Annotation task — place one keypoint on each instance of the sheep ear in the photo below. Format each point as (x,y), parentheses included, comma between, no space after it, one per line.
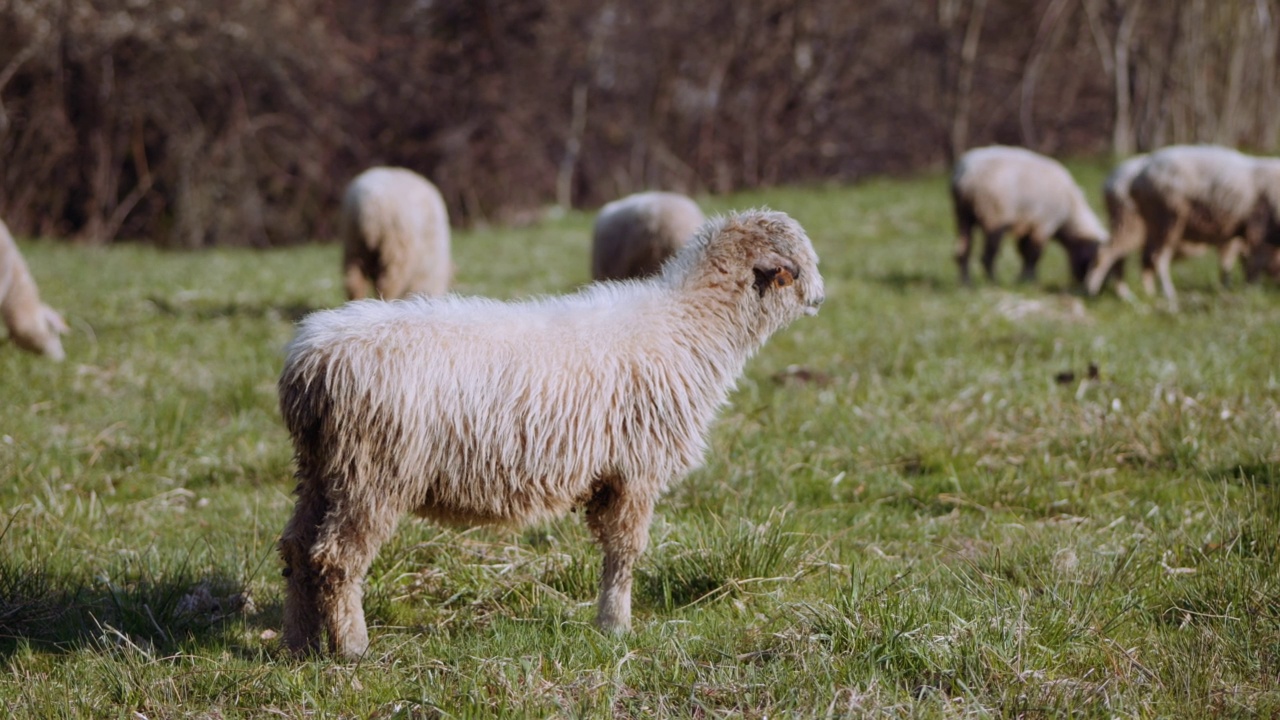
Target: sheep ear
(774,272)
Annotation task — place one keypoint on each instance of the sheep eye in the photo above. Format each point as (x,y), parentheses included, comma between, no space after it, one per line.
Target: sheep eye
(779,277)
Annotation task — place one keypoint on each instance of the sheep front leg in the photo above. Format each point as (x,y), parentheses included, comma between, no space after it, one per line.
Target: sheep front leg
(355,280)
(1108,264)
(619,519)
(1162,243)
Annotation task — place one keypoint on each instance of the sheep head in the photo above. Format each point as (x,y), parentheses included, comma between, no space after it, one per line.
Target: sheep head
(1081,255)
(40,334)
(762,261)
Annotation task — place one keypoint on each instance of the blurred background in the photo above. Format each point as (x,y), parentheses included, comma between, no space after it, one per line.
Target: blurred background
(192,123)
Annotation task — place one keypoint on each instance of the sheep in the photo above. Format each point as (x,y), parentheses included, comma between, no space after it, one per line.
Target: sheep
(33,326)
(1207,194)
(477,412)
(633,236)
(1128,234)
(1003,189)
(395,231)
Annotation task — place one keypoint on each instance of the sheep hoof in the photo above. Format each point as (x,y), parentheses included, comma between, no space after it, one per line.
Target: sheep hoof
(613,626)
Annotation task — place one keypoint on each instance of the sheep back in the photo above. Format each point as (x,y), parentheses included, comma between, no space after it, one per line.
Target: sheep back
(395,231)
(633,236)
(1211,189)
(1016,190)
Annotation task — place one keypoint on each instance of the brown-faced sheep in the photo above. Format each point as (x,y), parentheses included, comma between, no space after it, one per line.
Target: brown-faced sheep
(1006,189)
(1207,194)
(32,325)
(635,235)
(1128,235)
(470,411)
(395,236)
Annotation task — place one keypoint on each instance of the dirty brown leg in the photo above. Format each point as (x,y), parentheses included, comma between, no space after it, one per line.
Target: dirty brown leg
(347,543)
(301,602)
(620,522)
(990,250)
(1030,249)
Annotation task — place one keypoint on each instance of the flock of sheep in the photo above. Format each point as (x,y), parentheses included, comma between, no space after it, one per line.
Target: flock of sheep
(1167,204)
(473,411)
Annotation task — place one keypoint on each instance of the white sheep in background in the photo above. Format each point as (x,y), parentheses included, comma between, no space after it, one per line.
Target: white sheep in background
(1128,235)
(32,325)
(1207,194)
(395,235)
(1006,189)
(633,236)
(471,411)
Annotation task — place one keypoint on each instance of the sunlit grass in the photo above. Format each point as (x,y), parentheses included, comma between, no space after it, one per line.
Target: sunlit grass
(918,503)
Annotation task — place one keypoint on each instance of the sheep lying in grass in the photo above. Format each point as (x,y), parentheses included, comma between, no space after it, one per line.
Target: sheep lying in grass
(395,236)
(1007,189)
(1207,194)
(32,325)
(471,411)
(1128,235)
(635,235)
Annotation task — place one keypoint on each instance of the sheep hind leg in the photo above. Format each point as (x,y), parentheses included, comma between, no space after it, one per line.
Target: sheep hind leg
(1030,249)
(301,604)
(990,250)
(348,542)
(964,245)
(619,520)
(1228,252)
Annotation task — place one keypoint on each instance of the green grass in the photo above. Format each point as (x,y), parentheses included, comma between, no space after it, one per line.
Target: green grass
(904,511)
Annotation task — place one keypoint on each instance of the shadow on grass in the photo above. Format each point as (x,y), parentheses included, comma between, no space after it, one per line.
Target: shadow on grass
(905,281)
(207,310)
(62,613)
(1258,473)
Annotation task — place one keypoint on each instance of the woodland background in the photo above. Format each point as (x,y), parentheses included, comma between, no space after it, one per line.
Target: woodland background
(191,123)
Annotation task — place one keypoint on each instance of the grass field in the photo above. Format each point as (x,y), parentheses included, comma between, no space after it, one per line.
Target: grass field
(918,504)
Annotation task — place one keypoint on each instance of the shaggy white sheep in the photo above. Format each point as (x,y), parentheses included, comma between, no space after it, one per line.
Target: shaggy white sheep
(32,325)
(472,411)
(1207,194)
(635,235)
(1007,189)
(395,235)
(1128,235)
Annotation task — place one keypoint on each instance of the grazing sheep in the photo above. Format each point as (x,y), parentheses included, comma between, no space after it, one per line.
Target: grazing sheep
(1128,235)
(635,235)
(1207,194)
(395,235)
(32,325)
(471,411)
(1007,189)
